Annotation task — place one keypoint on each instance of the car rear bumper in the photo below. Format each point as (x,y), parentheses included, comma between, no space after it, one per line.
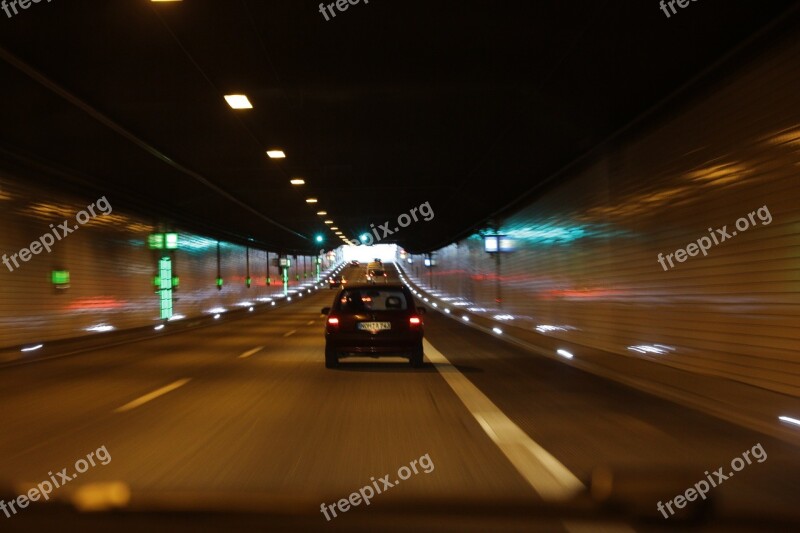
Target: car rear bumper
(374,346)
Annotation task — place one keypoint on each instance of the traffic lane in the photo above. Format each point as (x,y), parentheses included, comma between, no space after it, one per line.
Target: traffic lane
(279,422)
(43,401)
(586,421)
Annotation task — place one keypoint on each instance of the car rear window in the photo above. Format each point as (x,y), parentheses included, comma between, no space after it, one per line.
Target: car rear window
(373,300)
(376,272)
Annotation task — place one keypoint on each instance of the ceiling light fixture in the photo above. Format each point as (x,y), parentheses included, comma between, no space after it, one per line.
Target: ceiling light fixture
(311,200)
(276,154)
(297,181)
(238,101)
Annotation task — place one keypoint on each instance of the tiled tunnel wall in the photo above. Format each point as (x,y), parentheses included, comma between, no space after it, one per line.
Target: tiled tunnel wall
(586,264)
(112,270)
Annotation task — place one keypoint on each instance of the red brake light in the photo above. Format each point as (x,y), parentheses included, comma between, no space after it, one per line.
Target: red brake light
(414,321)
(333,321)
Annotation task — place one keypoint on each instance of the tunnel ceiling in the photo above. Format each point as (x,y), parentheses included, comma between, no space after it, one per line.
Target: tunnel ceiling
(465,105)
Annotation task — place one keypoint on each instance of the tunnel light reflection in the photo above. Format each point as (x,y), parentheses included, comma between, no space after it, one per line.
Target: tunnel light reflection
(176,317)
(435,304)
(273,303)
(655,348)
(545,328)
(100,328)
(564,353)
(447,311)
(790,420)
(465,318)
(251,309)
(216,317)
(503,317)
(498,331)
(159,327)
(216,310)
(31,348)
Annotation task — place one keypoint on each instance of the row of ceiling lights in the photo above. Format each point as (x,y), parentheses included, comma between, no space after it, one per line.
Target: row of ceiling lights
(240,101)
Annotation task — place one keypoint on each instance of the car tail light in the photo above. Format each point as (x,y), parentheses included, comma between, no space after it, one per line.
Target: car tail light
(333,323)
(414,321)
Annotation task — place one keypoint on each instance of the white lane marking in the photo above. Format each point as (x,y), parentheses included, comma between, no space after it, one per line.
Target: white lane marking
(309,322)
(152,396)
(248,353)
(551,479)
(290,333)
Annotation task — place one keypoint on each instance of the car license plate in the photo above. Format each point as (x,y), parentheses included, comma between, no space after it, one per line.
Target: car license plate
(374,326)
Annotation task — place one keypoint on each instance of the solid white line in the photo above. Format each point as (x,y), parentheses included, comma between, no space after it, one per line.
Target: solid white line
(309,322)
(551,479)
(248,353)
(152,396)
(290,333)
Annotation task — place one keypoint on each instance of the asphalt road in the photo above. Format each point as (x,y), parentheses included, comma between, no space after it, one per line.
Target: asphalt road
(247,406)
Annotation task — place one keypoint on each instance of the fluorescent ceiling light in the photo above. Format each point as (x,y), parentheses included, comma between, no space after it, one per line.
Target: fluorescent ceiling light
(322,213)
(238,101)
(329,221)
(298,181)
(334,228)
(276,154)
(311,200)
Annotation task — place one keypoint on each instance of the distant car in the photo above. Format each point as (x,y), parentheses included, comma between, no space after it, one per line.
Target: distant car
(378,260)
(373,265)
(354,263)
(377,276)
(373,321)
(336,281)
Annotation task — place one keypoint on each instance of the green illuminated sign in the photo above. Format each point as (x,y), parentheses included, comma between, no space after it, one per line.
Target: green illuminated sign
(165,284)
(60,277)
(161,241)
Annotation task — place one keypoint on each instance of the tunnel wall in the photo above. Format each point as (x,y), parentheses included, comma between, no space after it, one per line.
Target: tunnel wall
(112,270)
(586,259)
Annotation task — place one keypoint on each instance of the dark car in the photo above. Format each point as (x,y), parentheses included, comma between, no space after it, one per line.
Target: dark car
(336,281)
(373,321)
(376,275)
(354,263)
